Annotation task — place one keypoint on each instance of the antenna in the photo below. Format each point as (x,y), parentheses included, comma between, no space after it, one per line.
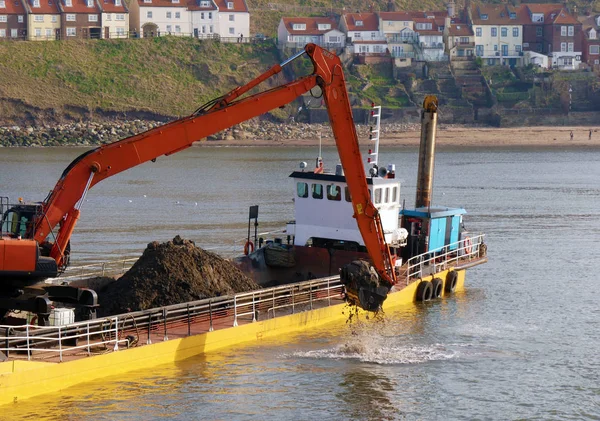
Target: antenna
(374,134)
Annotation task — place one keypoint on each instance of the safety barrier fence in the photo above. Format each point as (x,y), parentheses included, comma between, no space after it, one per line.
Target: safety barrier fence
(125,330)
(463,251)
(110,268)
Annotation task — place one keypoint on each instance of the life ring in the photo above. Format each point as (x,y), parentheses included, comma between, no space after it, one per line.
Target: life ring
(451,280)
(436,288)
(467,245)
(424,291)
(33,320)
(248,247)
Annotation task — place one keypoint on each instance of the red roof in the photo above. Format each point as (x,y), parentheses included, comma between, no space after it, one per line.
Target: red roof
(460,29)
(80,6)
(370,21)
(238,5)
(395,16)
(499,15)
(12,7)
(194,5)
(312,25)
(47,7)
(369,42)
(109,6)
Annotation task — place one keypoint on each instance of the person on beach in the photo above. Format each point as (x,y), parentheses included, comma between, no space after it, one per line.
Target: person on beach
(571,134)
(590,138)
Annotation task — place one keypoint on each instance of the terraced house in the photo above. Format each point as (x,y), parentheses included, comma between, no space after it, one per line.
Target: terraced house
(43,20)
(363,32)
(591,41)
(115,19)
(80,19)
(151,18)
(297,32)
(498,33)
(12,20)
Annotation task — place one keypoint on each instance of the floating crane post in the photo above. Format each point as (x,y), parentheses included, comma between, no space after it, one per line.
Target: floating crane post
(427,152)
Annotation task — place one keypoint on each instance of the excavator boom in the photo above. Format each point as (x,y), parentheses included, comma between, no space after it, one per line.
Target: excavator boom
(63,204)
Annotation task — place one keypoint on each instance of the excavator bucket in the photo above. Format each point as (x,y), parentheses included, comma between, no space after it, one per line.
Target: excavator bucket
(363,285)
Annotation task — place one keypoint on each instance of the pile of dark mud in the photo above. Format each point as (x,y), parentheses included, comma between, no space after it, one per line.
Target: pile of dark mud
(171,273)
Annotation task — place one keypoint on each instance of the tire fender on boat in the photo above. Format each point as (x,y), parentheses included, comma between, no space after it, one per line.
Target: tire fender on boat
(451,280)
(436,288)
(424,291)
(248,247)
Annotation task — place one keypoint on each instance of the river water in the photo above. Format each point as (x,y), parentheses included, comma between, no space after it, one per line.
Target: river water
(521,342)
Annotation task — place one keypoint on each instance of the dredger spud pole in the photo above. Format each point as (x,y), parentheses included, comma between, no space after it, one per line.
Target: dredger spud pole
(426,152)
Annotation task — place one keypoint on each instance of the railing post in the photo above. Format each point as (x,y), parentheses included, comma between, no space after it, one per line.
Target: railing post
(28,350)
(210,326)
(253,308)
(189,321)
(310,294)
(273,291)
(116,348)
(165,338)
(88,339)
(328,294)
(59,345)
(235,323)
(149,341)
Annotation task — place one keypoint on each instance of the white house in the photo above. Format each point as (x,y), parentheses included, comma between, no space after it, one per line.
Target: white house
(431,37)
(362,30)
(205,18)
(160,17)
(297,32)
(233,18)
(115,19)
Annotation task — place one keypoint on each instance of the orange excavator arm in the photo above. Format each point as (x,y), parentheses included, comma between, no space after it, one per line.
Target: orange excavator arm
(63,204)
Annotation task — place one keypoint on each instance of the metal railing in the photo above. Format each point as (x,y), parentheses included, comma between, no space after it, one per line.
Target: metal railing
(110,333)
(453,254)
(110,268)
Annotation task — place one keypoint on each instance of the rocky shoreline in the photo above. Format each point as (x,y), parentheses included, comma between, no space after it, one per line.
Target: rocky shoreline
(93,134)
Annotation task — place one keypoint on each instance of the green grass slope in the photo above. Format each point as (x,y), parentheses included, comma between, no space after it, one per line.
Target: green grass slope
(167,76)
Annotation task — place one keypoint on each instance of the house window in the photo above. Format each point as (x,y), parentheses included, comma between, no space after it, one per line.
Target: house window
(359,23)
(202,15)
(120,17)
(169,15)
(92,18)
(149,14)
(120,31)
(517,48)
(424,26)
(478,32)
(38,32)
(169,29)
(2,33)
(563,31)
(563,47)
(14,33)
(596,61)
(117,2)
(539,31)
(68,3)
(231,18)
(334,39)
(405,24)
(177,29)
(230,5)
(357,35)
(20,18)
(373,35)
(494,32)
(2,18)
(464,40)
(2,4)
(108,16)
(177,15)
(323,26)
(231,31)
(297,26)
(48,33)
(70,32)
(484,16)
(317,191)
(54,18)
(504,32)
(36,3)
(537,17)
(594,49)
(204,4)
(71,17)
(38,18)
(570,47)
(90,3)
(571,31)
(515,32)
(147,1)
(203,29)
(210,15)
(210,29)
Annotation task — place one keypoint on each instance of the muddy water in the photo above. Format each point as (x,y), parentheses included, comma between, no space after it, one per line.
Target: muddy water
(520,343)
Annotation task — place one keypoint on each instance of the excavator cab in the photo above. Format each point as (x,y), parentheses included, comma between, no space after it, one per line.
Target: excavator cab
(18,220)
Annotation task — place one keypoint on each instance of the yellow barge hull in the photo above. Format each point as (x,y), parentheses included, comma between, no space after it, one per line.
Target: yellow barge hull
(22,379)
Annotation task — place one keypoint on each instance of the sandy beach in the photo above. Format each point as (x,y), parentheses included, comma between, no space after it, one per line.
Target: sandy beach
(458,137)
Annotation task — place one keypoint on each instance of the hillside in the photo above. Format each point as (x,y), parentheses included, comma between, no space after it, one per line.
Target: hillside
(53,82)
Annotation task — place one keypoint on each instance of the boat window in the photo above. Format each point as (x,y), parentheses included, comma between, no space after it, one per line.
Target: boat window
(377,196)
(334,192)
(347,194)
(394,194)
(387,195)
(317,191)
(302,189)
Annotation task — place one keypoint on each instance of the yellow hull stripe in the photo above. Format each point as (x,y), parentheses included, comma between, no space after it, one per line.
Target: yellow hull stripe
(21,380)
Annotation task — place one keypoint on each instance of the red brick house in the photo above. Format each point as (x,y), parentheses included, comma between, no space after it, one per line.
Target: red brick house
(80,19)
(13,24)
(552,30)
(590,39)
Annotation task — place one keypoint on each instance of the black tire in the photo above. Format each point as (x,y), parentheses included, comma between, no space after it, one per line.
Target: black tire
(424,291)
(436,288)
(451,280)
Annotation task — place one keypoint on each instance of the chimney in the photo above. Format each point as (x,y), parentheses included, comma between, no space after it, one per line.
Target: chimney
(451,7)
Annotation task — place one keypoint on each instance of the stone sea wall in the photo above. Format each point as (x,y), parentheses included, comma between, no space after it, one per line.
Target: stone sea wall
(91,134)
